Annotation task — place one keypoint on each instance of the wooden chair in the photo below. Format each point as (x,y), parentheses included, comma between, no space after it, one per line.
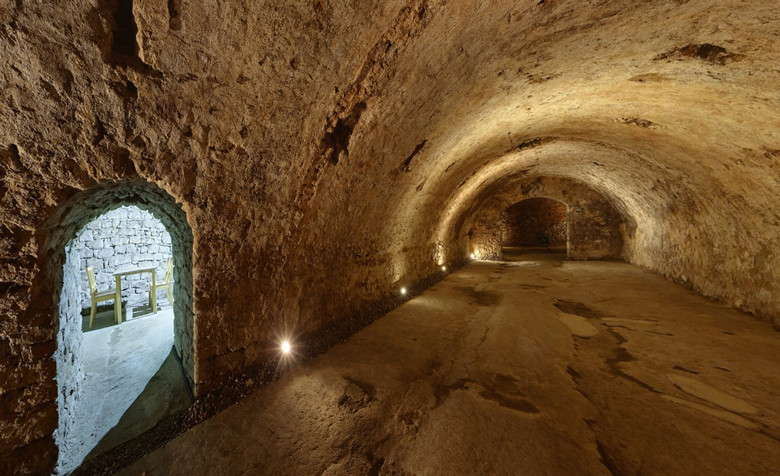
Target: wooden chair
(99,296)
(167,284)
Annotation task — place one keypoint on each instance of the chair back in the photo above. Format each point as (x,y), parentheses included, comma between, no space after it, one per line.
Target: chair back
(91,279)
(169,270)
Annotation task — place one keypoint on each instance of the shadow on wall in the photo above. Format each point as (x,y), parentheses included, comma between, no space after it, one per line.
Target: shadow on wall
(535,222)
(62,269)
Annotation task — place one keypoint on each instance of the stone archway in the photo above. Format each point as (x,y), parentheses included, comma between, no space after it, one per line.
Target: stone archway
(595,228)
(61,230)
(536,223)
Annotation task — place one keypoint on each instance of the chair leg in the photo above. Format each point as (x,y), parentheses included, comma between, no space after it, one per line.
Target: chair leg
(92,314)
(153,293)
(169,292)
(118,301)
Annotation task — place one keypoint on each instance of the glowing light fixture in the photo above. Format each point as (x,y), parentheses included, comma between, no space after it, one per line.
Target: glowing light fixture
(473,256)
(286,347)
(403,291)
(444,268)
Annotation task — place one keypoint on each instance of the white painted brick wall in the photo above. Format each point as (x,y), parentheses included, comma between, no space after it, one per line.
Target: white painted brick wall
(125,237)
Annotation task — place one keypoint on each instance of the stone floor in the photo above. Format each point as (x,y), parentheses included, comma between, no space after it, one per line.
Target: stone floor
(132,378)
(536,366)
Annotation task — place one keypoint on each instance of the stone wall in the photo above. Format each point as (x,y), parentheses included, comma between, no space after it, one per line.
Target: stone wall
(534,222)
(125,237)
(70,366)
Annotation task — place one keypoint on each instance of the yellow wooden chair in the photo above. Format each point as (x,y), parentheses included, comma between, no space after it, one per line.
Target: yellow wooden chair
(167,284)
(99,296)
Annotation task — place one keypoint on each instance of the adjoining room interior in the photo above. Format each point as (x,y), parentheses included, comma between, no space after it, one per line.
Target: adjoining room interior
(128,375)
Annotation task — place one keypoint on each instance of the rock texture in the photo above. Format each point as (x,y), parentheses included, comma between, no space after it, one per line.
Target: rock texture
(320,153)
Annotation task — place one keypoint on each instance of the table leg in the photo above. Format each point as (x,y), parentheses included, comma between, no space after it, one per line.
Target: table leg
(118,300)
(153,290)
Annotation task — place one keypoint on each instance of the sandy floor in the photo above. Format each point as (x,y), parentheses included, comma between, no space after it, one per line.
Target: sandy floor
(535,366)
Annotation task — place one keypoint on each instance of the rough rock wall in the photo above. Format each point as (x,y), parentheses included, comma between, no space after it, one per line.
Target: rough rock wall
(325,152)
(534,222)
(232,124)
(595,228)
(125,237)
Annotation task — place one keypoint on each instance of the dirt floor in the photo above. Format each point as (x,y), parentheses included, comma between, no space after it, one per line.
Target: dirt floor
(531,366)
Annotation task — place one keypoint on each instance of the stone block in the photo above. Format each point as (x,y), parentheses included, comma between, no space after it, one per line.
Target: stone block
(96,263)
(104,253)
(117,261)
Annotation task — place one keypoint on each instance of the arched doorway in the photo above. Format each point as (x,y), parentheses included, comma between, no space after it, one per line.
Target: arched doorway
(64,266)
(535,225)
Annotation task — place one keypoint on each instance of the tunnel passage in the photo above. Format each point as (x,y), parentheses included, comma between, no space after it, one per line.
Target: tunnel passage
(594,228)
(63,271)
(535,222)
(668,108)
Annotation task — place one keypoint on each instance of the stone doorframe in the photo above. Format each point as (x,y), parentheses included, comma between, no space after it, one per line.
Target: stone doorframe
(62,276)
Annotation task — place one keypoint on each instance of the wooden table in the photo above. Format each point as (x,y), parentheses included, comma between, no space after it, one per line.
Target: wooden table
(152,290)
